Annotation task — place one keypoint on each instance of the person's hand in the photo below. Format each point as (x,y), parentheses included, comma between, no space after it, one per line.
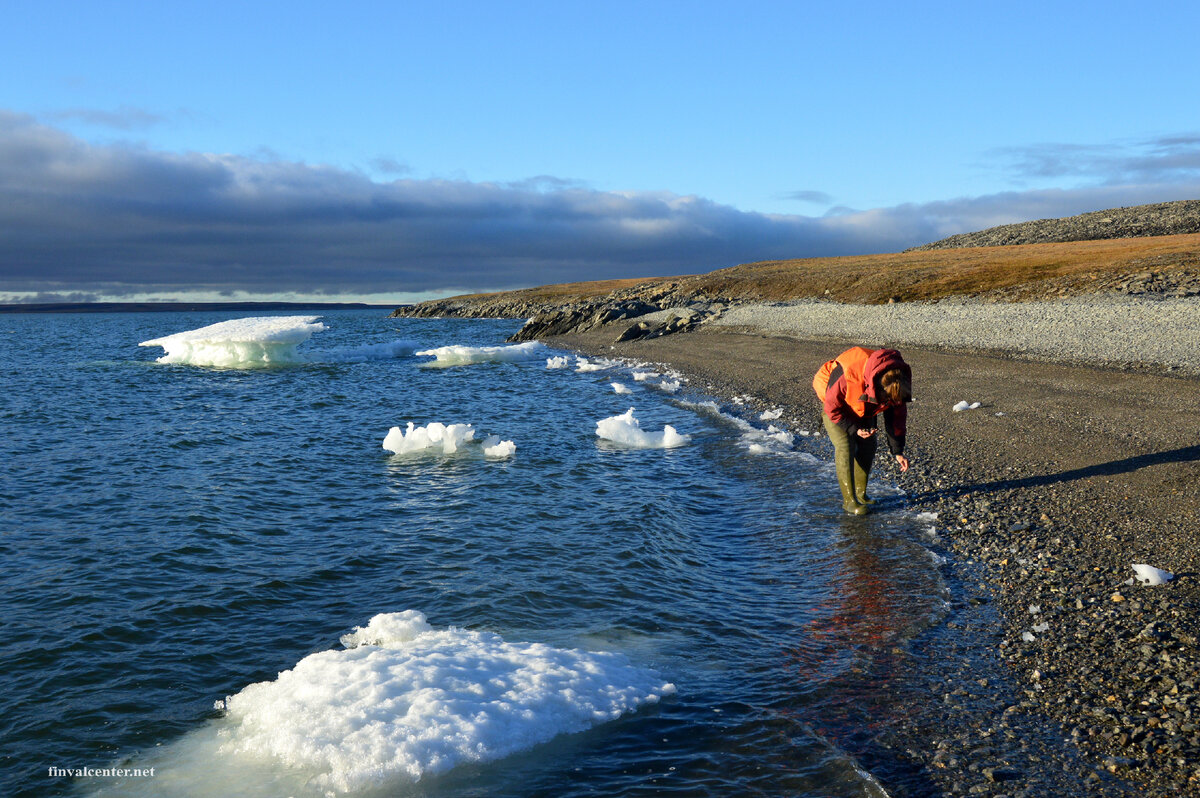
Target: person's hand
(903,462)
(866,433)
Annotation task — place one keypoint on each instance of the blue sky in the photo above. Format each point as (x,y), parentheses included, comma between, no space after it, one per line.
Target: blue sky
(396,150)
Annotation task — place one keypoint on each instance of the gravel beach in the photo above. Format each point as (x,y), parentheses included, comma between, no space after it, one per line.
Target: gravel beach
(1054,673)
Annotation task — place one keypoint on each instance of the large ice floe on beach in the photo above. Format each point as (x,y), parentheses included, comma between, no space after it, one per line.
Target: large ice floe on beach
(458,355)
(627,431)
(264,341)
(402,700)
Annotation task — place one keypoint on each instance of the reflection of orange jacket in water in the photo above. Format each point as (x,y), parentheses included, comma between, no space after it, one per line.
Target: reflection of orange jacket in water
(848,386)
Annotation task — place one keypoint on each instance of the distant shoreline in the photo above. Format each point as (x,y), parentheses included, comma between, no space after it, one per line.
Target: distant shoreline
(142,307)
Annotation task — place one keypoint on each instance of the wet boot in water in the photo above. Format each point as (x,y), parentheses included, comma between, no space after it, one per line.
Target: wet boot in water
(850,502)
(860,484)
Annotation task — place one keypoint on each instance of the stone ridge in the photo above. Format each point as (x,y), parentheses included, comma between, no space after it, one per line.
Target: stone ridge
(1159,219)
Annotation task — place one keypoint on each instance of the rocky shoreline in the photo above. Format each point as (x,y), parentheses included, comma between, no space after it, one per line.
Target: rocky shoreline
(1052,674)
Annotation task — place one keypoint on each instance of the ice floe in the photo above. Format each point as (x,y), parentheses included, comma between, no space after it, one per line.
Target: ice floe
(401,701)
(264,341)
(557,362)
(619,387)
(494,447)
(435,437)
(240,343)
(458,355)
(627,431)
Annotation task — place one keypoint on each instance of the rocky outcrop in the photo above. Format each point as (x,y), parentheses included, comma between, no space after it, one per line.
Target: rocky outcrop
(1160,219)
(661,307)
(652,321)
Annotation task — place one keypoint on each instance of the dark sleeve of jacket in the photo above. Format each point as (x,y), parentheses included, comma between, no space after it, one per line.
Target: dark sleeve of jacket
(895,425)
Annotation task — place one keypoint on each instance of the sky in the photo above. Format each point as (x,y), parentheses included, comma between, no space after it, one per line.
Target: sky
(392,151)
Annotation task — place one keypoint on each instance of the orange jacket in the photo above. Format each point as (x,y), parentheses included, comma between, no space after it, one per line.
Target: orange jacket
(848,386)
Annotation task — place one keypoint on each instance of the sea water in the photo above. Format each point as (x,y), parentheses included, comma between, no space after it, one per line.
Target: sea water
(356,555)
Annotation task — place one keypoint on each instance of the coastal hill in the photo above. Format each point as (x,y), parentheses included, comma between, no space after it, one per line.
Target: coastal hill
(1146,264)
(1160,219)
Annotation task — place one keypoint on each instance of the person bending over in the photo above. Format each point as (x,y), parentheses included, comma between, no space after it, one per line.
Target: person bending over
(856,387)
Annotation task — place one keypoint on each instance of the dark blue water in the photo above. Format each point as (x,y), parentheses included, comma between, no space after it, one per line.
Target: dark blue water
(172,534)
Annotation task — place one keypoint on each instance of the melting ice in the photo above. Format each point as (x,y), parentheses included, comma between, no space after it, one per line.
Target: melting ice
(627,431)
(458,355)
(238,343)
(402,700)
(264,341)
(436,436)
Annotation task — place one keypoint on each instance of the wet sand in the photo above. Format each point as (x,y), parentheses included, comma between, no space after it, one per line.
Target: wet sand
(1046,494)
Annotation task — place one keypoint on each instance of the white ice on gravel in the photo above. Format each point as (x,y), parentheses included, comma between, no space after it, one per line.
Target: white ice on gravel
(627,431)
(770,415)
(459,355)
(619,387)
(964,405)
(1149,575)
(434,437)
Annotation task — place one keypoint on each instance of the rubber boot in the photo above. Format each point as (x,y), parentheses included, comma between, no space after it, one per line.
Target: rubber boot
(845,476)
(860,484)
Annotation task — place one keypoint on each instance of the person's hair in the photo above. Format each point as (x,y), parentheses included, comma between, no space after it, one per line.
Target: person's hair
(896,385)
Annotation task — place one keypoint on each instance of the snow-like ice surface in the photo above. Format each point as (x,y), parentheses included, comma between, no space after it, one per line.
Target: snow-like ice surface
(557,362)
(627,431)
(240,343)
(436,437)
(642,376)
(1149,575)
(620,387)
(458,355)
(964,405)
(770,415)
(265,341)
(404,700)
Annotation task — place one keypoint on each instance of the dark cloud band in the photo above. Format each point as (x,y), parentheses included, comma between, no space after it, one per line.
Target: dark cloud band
(123,219)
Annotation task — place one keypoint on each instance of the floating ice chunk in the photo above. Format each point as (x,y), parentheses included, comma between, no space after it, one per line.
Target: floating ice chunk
(457,355)
(559,362)
(1149,575)
(583,365)
(353,354)
(433,437)
(240,343)
(405,700)
(757,448)
(642,376)
(625,430)
(770,415)
(494,447)
(670,386)
(620,387)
